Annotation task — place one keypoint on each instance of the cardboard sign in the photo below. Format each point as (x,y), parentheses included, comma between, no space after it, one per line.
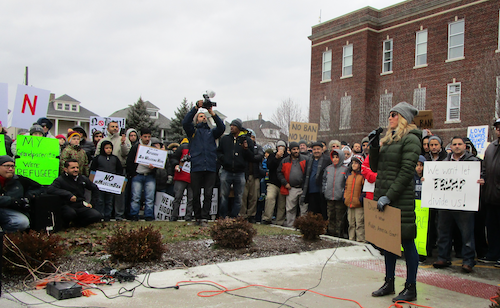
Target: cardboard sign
(150,155)
(3,151)
(451,185)
(303,131)
(4,103)
(383,228)
(30,105)
(479,137)
(109,182)
(37,158)
(101,124)
(164,205)
(424,119)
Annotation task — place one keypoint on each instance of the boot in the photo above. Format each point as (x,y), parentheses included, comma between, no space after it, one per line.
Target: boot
(386,289)
(409,293)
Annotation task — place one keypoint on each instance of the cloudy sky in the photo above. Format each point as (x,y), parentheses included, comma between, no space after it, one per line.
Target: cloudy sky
(107,54)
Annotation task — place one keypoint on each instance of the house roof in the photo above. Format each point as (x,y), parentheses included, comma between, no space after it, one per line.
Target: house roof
(162,121)
(258,125)
(66,98)
(83,114)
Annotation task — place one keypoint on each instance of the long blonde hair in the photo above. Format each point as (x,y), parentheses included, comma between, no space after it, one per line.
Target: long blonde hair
(402,130)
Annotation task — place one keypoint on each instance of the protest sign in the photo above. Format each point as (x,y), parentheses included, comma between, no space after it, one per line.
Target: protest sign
(109,182)
(303,131)
(37,158)
(451,185)
(422,222)
(4,103)
(3,150)
(101,124)
(424,119)
(30,105)
(383,228)
(164,205)
(150,155)
(479,137)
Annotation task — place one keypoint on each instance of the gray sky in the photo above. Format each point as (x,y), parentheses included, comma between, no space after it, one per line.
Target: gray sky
(107,54)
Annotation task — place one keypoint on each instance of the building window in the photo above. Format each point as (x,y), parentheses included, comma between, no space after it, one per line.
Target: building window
(421,48)
(324,120)
(347,61)
(66,107)
(153,114)
(327,65)
(384,108)
(497,100)
(387,60)
(74,108)
(345,112)
(59,106)
(456,39)
(453,102)
(419,98)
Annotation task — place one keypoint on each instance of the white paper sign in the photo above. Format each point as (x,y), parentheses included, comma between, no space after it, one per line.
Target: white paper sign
(30,105)
(150,155)
(4,102)
(479,137)
(101,124)
(186,167)
(451,185)
(164,205)
(109,182)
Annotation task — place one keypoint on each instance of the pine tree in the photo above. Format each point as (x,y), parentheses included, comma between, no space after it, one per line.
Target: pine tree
(139,118)
(176,133)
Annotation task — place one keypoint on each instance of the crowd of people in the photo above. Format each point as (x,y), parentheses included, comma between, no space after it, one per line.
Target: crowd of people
(271,187)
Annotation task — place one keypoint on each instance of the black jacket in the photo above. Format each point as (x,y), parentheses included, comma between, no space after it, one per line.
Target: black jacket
(106,163)
(255,166)
(442,156)
(16,188)
(131,165)
(231,154)
(323,162)
(272,164)
(66,187)
(490,172)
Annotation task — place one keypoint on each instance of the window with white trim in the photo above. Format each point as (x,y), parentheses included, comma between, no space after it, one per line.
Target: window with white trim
(153,114)
(345,112)
(453,102)
(384,108)
(456,32)
(421,48)
(497,99)
(419,98)
(347,58)
(74,107)
(59,106)
(327,66)
(67,107)
(324,118)
(387,56)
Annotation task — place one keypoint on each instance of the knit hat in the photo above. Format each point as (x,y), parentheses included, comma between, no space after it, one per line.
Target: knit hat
(36,128)
(80,129)
(61,136)
(421,159)
(155,140)
(435,137)
(317,144)
(72,133)
(44,122)
(185,140)
(359,158)
(238,123)
(406,110)
(281,143)
(302,141)
(294,144)
(5,159)
(270,151)
(366,139)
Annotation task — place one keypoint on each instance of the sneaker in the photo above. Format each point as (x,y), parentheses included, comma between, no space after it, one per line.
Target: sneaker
(466,268)
(486,261)
(441,264)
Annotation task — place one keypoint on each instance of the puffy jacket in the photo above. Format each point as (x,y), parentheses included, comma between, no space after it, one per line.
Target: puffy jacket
(182,151)
(202,142)
(231,154)
(395,166)
(368,174)
(323,162)
(490,172)
(255,166)
(106,163)
(353,190)
(18,187)
(334,178)
(285,168)
(75,152)
(119,149)
(66,187)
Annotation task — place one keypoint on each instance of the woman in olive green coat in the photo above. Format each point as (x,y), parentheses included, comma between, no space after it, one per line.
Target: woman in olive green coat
(394,160)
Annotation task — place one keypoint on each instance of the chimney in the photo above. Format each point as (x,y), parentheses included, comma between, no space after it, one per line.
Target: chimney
(52,97)
(260,116)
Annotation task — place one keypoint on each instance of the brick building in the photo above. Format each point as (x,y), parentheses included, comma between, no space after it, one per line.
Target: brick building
(440,55)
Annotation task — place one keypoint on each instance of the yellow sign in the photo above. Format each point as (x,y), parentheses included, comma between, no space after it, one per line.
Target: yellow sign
(2,145)
(303,131)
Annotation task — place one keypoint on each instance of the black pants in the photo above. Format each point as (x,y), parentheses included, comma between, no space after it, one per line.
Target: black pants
(80,215)
(205,179)
(317,204)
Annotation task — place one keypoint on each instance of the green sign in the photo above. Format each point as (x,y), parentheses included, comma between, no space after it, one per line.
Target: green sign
(422,222)
(2,145)
(37,158)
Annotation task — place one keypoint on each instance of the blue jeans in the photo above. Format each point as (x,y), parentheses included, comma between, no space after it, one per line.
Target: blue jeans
(238,181)
(12,220)
(148,184)
(411,257)
(465,223)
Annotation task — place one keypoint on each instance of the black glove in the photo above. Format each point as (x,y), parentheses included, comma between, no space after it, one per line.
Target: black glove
(21,204)
(382,202)
(374,137)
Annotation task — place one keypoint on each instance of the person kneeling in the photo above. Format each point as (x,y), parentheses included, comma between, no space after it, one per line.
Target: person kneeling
(70,186)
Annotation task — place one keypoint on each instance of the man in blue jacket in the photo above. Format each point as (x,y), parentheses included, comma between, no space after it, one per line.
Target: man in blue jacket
(203,149)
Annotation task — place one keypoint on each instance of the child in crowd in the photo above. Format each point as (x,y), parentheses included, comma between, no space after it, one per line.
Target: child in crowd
(419,173)
(353,199)
(74,151)
(334,179)
(109,163)
(265,179)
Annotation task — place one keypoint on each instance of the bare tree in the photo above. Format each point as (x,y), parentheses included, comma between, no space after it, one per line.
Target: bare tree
(287,112)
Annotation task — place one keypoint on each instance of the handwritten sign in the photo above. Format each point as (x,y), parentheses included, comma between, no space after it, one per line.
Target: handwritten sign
(451,185)
(30,105)
(109,182)
(101,124)
(303,131)
(37,158)
(164,205)
(422,222)
(479,137)
(4,103)
(3,151)
(150,155)
(383,228)
(424,119)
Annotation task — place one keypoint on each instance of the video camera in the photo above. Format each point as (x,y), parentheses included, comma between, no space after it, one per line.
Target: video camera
(207,103)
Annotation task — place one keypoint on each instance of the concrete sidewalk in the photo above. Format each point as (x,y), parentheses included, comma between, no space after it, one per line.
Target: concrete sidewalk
(351,273)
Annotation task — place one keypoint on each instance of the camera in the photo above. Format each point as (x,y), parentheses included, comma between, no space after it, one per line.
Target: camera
(207,103)
(186,158)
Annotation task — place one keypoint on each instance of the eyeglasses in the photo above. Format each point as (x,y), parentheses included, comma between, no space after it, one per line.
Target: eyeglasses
(393,114)
(9,166)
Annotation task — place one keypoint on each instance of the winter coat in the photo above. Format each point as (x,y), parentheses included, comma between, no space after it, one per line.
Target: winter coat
(368,174)
(202,142)
(354,190)
(106,163)
(231,154)
(441,156)
(181,152)
(490,172)
(120,150)
(334,178)
(127,135)
(323,162)
(66,187)
(132,165)
(75,152)
(89,148)
(395,166)
(8,142)
(255,166)
(18,187)
(285,168)
(273,164)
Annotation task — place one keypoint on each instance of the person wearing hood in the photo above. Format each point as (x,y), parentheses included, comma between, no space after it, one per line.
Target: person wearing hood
(347,155)
(132,136)
(394,158)
(87,146)
(96,137)
(74,151)
(334,179)
(46,125)
(180,159)
(7,140)
(253,174)
(273,187)
(109,163)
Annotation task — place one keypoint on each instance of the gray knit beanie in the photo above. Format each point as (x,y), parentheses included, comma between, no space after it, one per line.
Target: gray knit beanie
(406,110)
(435,137)
(294,144)
(5,159)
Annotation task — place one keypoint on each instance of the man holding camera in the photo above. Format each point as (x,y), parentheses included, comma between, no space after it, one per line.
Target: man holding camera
(202,148)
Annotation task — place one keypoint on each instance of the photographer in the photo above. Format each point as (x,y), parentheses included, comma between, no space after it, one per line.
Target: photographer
(234,152)
(202,148)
